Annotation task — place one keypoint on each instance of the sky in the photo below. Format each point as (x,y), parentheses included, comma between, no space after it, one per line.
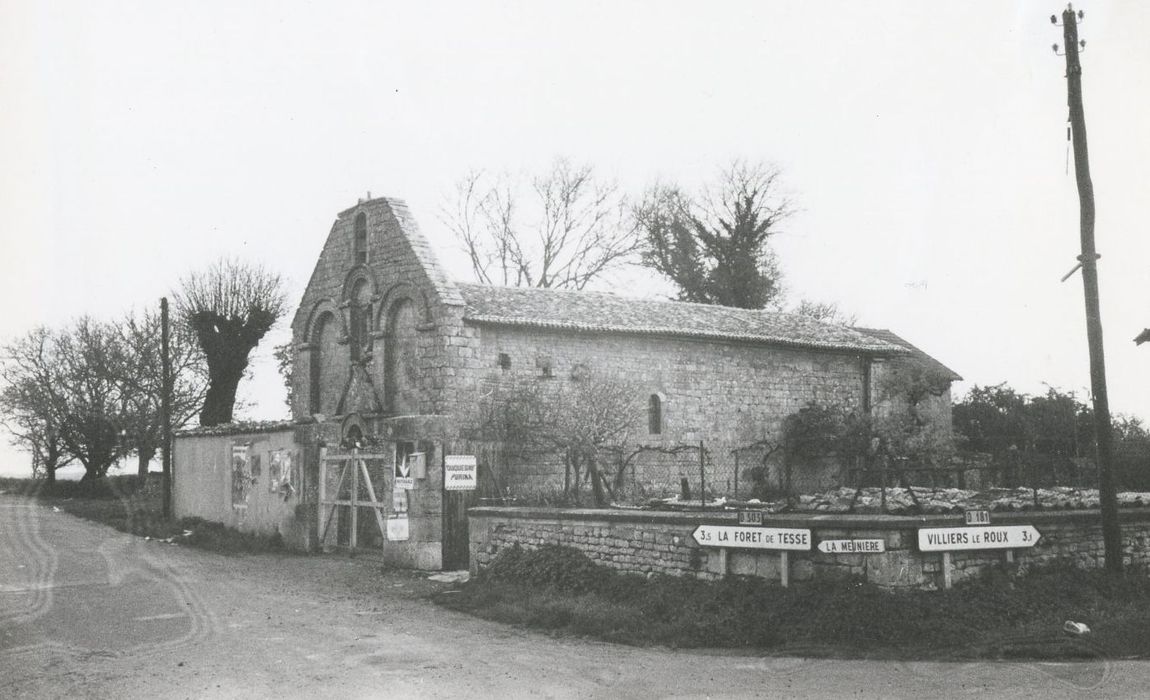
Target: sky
(924,144)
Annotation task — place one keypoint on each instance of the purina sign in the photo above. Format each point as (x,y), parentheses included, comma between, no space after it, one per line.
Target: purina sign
(460,473)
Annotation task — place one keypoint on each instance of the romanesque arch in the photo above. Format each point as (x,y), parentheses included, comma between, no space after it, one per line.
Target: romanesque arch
(401,365)
(325,380)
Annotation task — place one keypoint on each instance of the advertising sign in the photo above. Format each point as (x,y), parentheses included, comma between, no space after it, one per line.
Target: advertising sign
(460,473)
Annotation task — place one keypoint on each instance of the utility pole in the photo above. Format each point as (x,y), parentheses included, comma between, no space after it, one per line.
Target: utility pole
(1111,532)
(166,404)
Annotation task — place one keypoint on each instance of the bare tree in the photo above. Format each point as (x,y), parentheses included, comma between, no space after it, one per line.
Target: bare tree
(141,377)
(561,229)
(88,398)
(229,307)
(28,401)
(715,246)
(825,311)
(585,422)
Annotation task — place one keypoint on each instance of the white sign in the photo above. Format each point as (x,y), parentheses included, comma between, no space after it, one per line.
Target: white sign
(403,476)
(852,546)
(460,473)
(753,537)
(397,528)
(978,517)
(949,539)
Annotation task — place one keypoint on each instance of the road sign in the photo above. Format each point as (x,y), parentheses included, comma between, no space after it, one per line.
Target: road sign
(978,517)
(460,473)
(875,546)
(949,539)
(750,517)
(784,538)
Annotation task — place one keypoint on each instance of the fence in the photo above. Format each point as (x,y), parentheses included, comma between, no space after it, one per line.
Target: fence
(692,475)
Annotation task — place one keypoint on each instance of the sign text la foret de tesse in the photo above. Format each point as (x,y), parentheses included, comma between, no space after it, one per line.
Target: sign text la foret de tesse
(949,539)
(784,538)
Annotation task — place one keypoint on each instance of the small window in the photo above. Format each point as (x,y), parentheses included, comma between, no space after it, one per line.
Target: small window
(361,238)
(655,415)
(543,362)
(504,361)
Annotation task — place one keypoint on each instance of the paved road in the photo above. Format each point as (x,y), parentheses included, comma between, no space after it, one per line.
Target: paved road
(88,612)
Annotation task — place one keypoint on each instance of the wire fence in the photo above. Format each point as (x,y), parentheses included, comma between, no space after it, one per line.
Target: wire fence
(698,474)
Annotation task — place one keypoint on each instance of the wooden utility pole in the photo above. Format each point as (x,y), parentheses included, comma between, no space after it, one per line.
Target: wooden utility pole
(1111,533)
(166,404)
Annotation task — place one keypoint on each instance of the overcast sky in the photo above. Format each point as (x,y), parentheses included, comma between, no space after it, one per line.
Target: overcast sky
(924,142)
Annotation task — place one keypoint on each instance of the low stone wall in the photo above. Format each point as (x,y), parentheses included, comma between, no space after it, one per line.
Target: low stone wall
(646,542)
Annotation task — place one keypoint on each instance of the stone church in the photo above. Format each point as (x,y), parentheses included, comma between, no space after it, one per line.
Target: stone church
(381,333)
(390,354)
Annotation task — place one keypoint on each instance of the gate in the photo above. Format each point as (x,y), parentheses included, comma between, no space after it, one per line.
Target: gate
(352,468)
(456,539)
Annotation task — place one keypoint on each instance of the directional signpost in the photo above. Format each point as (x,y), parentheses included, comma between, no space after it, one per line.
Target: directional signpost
(790,538)
(875,546)
(950,539)
(953,539)
(780,539)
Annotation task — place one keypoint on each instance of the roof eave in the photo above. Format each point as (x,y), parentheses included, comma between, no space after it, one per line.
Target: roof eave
(889,351)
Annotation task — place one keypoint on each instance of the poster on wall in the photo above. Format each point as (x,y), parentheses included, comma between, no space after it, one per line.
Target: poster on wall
(241,475)
(279,471)
(397,528)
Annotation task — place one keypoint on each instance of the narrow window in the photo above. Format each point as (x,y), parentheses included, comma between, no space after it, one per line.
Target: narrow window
(655,415)
(504,361)
(361,238)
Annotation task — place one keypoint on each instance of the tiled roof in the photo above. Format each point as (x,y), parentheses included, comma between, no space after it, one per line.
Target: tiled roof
(608,313)
(891,337)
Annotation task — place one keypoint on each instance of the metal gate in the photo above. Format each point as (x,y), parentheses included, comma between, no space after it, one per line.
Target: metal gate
(353,468)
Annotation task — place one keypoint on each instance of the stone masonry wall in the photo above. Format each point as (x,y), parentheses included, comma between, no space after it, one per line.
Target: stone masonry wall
(648,542)
(725,394)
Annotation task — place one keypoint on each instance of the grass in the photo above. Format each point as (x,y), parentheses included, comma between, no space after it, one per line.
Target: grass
(560,590)
(129,505)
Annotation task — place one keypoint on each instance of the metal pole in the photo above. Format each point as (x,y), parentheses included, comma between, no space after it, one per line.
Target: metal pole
(702,476)
(1111,532)
(166,405)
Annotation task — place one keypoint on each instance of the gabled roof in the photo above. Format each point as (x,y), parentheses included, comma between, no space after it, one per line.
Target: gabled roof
(607,313)
(930,362)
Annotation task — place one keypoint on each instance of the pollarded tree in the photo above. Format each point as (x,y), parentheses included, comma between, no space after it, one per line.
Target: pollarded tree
(229,308)
(141,377)
(561,229)
(715,247)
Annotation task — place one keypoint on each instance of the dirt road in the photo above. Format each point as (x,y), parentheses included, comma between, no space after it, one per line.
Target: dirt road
(86,611)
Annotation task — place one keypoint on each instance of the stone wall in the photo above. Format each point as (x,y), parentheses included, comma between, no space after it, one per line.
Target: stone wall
(726,394)
(649,542)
